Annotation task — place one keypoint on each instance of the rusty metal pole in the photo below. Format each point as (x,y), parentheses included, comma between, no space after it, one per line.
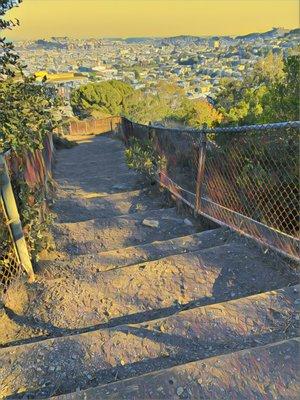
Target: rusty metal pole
(200,173)
(13,219)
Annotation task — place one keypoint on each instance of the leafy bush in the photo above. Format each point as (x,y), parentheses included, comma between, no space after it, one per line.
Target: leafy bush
(106,98)
(167,102)
(270,93)
(142,157)
(26,118)
(27,115)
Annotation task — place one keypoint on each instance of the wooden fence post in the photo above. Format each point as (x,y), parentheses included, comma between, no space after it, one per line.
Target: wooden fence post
(14,223)
(200,173)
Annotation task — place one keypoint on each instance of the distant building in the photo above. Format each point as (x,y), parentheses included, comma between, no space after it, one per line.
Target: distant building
(217,44)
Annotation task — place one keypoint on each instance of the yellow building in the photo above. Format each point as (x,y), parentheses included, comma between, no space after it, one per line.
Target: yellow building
(40,75)
(216,44)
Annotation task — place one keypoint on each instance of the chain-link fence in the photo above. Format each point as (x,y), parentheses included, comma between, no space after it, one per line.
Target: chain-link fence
(35,167)
(244,177)
(10,266)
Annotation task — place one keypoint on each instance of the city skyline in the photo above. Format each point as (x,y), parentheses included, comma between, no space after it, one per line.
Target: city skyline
(147,18)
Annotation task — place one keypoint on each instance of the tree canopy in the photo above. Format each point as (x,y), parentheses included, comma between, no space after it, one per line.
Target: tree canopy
(269,94)
(166,102)
(106,98)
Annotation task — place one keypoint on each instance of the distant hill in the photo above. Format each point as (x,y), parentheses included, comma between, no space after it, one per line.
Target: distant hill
(187,39)
(181,40)
(137,40)
(50,44)
(293,32)
(275,32)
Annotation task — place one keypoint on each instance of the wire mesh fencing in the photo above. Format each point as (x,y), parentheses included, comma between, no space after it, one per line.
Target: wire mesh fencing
(34,169)
(10,266)
(251,183)
(246,178)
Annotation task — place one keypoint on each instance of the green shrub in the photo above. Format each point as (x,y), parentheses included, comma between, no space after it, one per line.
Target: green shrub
(142,157)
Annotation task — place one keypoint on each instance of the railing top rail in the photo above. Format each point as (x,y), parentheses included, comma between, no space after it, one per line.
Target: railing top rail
(243,128)
(262,127)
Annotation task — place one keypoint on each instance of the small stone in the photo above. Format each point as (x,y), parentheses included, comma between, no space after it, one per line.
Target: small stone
(58,368)
(52,368)
(152,223)
(232,294)
(179,391)
(188,222)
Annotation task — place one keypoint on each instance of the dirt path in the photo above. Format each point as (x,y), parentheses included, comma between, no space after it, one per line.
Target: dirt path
(118,299)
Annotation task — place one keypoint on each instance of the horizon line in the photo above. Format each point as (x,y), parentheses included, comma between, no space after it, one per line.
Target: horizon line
(150,37)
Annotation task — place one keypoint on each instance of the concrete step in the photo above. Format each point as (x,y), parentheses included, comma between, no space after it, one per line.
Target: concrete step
(61,365)
(99,168)
(120,258)
(265,372)
(102,184)
(96,235)
(95,166)
(142,292)
(76,208)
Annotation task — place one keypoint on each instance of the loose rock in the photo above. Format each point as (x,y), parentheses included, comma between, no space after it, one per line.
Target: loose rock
(152,223)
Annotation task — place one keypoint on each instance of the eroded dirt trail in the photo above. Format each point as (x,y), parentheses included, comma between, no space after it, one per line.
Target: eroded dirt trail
(122,310)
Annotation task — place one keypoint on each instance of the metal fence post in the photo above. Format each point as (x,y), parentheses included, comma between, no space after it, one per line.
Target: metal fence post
(200,172)
(13,217)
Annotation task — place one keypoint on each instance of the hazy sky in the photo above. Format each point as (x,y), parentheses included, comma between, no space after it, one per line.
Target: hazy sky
(123,18)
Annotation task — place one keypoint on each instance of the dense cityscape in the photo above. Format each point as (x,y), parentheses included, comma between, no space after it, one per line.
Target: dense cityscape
(193,63)
(149,199)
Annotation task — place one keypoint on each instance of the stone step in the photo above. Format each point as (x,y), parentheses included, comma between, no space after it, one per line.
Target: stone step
(91,157)
(99,169)
(61,365)
(96,235)
(265,372)
(85,298)
(87,153)
(76,208)
(102,183)
(120,258)
(96,166)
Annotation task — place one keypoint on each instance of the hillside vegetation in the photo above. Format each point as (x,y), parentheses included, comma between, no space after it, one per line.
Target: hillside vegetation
(270,93)
(164,103)
(27,115)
